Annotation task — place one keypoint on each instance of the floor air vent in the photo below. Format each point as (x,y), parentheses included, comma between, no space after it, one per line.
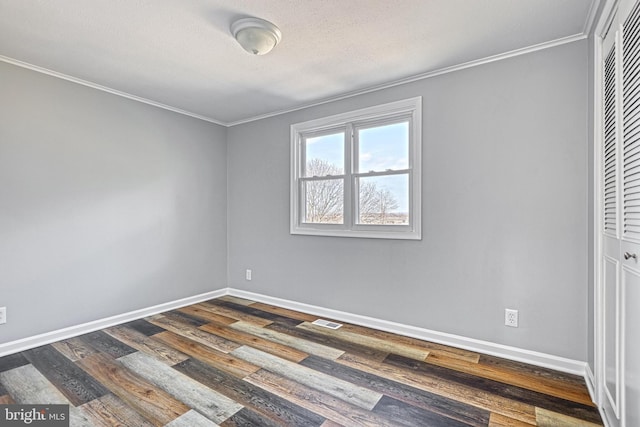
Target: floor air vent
(327,324)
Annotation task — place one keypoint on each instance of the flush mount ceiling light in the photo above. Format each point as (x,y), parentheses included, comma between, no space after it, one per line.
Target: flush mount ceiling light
(256,36)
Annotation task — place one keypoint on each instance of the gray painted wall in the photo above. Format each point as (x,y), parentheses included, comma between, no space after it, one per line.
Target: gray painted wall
(505,154)
(106,205)
(125,206)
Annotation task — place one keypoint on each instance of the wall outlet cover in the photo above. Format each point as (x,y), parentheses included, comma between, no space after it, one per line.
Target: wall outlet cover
(511,317)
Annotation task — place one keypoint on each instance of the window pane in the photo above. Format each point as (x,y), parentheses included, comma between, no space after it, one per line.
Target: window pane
(324,201)
(384,200)
(383,147)
(324,155)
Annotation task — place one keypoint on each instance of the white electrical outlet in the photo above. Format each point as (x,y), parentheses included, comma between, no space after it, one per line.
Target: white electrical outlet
(511,317)
(3,315)
(248,275)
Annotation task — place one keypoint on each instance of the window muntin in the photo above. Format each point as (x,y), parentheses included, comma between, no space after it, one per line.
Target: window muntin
(358,174)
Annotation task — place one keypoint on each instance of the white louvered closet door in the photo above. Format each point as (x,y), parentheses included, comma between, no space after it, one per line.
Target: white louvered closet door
(610,370)
(618,379)
(630,284)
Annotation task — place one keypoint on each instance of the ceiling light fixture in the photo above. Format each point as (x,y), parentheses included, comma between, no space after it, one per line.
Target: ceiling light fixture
(256,36)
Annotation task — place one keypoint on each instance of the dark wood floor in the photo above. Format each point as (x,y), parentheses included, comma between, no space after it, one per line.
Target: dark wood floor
(234,362)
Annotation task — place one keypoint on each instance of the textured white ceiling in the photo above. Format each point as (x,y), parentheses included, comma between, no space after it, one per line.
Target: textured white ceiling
(180,53)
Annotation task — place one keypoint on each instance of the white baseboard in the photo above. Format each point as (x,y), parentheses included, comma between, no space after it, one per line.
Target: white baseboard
(73,331)
(557,363)
(512,353)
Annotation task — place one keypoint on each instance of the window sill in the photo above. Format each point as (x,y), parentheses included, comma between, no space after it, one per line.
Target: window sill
(363,234)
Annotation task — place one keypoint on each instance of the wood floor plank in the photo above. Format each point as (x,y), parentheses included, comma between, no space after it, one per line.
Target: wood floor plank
(154,404)
(243,338)
(12,361)
(236,300)
(26,385)
(356,395)
(185,318)
(251,311)
(142,342)
(224,361)
(519,379)
(270,406)
(406,350)
(306,346)
(192,419)
(467,414)
(213,405)
(74,349)
(432,348)
(110,411)
(106,344)
(469,395)
(233,314)
(72,381)
(143,327)
(246,418)
(335,343)
(407,415)
(303,317)
(547,418)
(207,315)
(497,420)
(316,401)
(194,333)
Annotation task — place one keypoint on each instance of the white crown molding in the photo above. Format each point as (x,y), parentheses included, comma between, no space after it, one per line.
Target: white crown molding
(417,77)
(106,89)
(422,76)
(557,363)
(73,331)
(591,17)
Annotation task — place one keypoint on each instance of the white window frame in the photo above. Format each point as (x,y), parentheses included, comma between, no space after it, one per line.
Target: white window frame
(349,122)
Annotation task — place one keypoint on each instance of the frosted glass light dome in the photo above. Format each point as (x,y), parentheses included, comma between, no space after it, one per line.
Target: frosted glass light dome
(256,36)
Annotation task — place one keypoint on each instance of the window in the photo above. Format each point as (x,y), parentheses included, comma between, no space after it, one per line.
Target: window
(358,174)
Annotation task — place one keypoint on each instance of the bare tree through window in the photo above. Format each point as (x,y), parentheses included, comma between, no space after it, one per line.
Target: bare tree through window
(377,204)
(325,198)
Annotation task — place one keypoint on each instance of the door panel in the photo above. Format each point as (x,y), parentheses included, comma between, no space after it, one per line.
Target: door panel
(609,366)
(631,338)
(611,355)
(630,245)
